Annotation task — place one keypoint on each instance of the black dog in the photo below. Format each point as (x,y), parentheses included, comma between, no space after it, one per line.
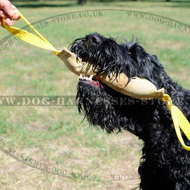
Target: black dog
(165,165)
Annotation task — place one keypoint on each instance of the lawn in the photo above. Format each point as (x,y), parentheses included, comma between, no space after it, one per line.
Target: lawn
(55,135)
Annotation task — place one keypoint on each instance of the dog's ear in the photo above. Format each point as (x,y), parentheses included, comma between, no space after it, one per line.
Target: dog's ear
(136,52)
(141,57)
(144,65)
(155,57)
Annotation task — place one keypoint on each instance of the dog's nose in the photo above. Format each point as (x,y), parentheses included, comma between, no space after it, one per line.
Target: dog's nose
(93,39)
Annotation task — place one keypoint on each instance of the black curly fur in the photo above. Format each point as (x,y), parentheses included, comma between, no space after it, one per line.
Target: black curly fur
(165,165)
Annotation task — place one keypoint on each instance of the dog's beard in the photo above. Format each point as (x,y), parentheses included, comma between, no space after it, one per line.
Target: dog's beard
(104,107)
(95,103)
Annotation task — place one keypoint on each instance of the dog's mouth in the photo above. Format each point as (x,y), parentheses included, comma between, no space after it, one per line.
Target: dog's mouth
(91,80)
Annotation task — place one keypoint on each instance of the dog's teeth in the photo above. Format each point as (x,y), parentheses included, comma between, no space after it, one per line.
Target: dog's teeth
(86,78)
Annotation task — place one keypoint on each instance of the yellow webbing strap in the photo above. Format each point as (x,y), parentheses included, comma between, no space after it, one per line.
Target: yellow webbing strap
(179,120)
(30,38)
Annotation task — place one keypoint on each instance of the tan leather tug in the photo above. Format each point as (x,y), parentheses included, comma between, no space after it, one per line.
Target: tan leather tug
(137,87)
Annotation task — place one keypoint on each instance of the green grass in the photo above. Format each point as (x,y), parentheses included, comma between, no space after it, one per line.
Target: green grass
(55,134)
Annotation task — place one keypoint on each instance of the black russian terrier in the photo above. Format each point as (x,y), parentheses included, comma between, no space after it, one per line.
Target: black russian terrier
(165,165)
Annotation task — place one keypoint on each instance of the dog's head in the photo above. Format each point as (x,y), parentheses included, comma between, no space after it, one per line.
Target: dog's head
(100,104)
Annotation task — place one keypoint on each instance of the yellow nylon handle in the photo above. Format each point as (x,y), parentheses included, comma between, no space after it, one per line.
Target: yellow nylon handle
(179,121)
(38,41)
